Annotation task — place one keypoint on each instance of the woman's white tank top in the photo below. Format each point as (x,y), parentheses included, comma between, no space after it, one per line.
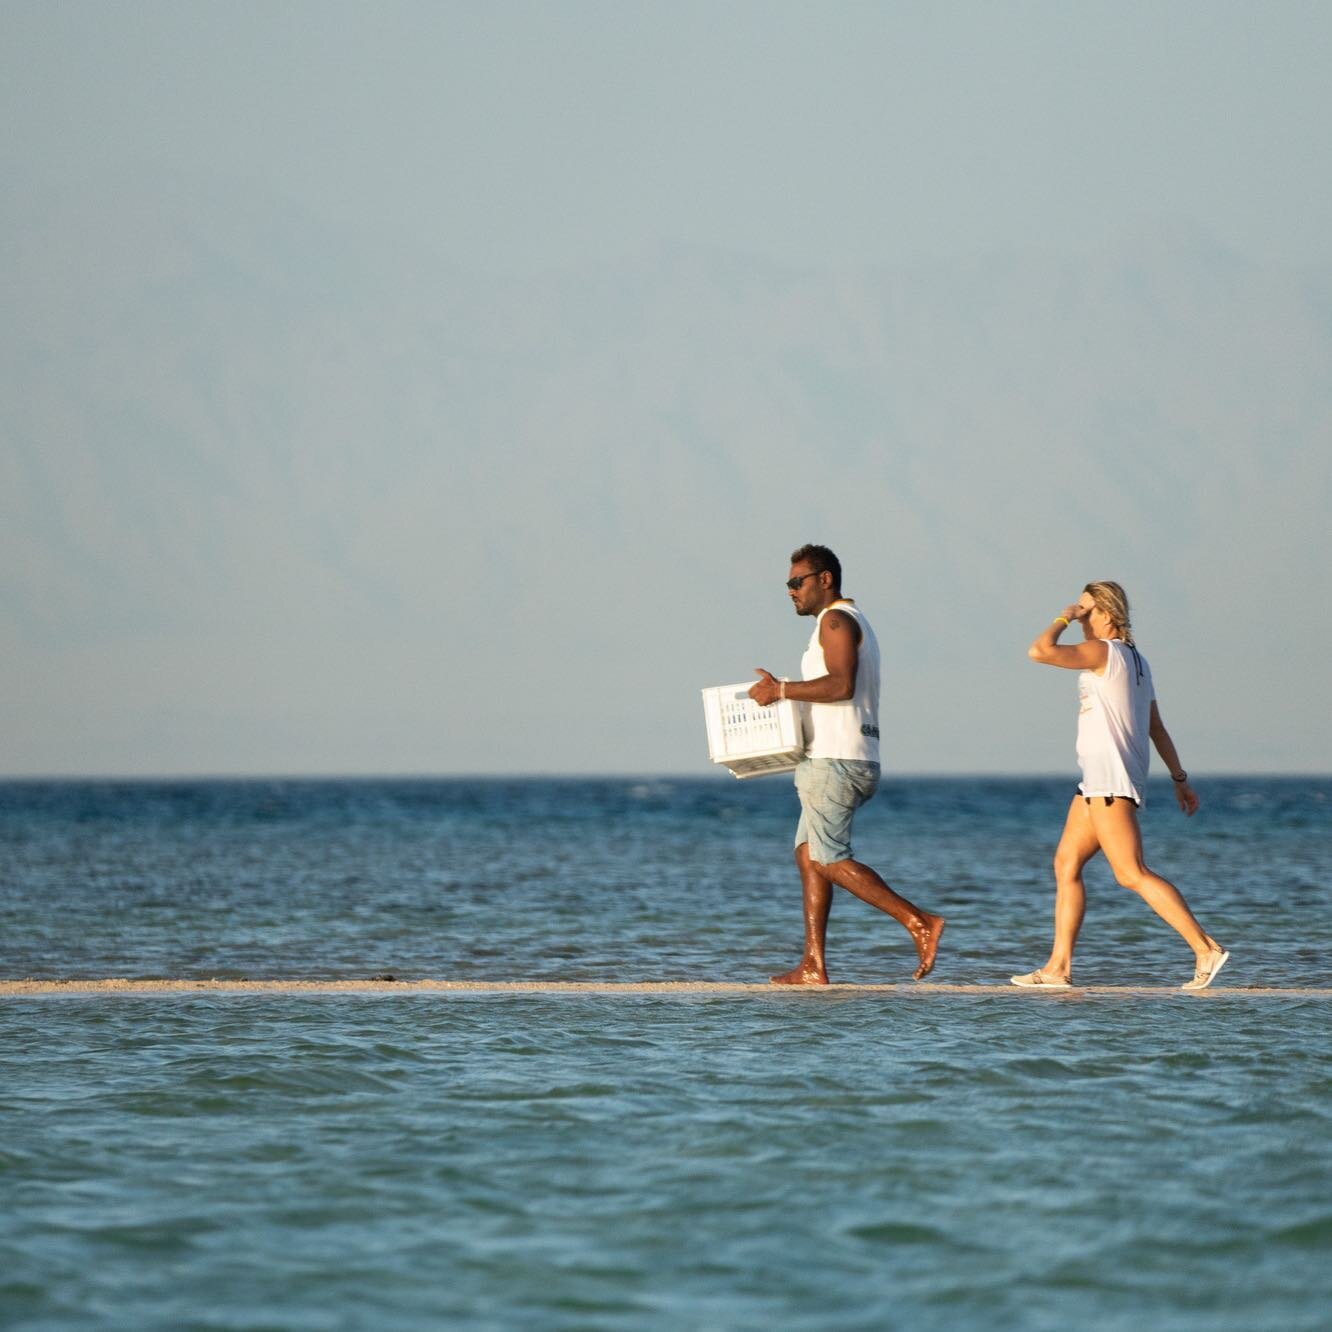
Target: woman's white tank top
(849,729)
(1114,723)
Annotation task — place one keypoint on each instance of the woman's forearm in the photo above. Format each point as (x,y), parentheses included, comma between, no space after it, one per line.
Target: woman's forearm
(1165,746)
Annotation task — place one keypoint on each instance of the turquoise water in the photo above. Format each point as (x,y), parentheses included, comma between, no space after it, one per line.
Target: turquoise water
(823,1160)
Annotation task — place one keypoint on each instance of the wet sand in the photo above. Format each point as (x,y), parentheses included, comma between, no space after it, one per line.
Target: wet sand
(379,986)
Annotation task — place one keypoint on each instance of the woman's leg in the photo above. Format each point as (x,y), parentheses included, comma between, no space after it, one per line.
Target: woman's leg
(1120,838)
(1077,845)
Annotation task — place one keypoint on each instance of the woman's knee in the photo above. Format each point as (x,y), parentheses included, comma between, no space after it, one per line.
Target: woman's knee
(1067,866)
(1131,877)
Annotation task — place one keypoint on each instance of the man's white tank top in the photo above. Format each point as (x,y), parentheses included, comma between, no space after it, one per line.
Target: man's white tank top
(1114,723)
(849,729)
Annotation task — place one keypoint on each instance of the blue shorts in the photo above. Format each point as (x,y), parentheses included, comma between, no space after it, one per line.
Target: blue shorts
(830,791)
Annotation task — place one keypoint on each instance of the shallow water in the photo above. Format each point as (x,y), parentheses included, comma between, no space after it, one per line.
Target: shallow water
(819,1160)
(620,879)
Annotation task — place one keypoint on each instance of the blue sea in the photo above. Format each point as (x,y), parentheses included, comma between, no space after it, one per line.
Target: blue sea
(910,1158)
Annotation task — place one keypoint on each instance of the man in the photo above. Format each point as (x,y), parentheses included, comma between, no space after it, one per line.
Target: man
(839,689)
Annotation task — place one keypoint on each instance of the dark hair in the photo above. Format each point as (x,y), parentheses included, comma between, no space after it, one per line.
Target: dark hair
(820,559)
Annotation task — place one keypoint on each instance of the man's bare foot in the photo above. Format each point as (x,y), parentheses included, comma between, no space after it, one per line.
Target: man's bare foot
(805,974)
(927,943)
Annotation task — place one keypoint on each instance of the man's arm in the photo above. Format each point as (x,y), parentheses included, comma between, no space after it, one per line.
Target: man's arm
(1185,795)
(1089,655)
(839,637)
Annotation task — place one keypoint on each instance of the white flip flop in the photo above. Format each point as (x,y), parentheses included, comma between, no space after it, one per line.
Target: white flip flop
(1038,980)
(1204,976)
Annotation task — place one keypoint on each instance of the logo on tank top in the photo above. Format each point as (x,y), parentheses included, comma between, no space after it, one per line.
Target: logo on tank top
(871,731)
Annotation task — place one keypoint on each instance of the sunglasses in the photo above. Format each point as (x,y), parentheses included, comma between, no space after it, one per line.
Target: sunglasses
(794,583)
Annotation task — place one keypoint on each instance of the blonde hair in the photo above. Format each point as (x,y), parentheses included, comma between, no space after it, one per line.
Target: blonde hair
(1111,599)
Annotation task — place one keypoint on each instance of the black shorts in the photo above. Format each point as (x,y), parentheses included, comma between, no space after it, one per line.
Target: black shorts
(1110,800)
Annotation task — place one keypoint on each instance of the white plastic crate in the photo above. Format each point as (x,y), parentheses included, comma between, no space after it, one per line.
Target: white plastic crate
(749,739)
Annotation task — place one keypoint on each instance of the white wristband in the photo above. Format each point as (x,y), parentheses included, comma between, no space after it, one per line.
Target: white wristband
(781,690)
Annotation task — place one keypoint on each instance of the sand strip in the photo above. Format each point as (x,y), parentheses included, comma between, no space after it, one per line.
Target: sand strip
(123,986)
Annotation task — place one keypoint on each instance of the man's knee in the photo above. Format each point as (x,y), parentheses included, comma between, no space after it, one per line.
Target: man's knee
(804,859)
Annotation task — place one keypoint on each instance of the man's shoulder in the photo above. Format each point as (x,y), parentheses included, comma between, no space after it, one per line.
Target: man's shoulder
(846,612)
(845,617)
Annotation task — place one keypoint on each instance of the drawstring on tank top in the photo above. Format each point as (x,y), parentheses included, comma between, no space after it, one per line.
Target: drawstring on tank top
(1137,661)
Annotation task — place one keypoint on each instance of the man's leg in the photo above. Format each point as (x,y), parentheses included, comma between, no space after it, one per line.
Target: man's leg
(830,792)
(816,891)
(862,882)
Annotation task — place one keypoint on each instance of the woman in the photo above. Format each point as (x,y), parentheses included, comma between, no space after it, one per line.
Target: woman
(1118,715)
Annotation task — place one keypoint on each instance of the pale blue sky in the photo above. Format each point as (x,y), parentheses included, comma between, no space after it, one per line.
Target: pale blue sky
(308,305)
(524,134)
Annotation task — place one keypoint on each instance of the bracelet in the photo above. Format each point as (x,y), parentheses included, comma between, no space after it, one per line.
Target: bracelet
(1057,618)
(781,690)
(1183,777)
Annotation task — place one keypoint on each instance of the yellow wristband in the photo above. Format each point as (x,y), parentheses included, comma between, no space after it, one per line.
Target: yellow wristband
(1057,618)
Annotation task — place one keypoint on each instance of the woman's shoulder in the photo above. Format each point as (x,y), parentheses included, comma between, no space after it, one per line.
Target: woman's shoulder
(1127,651)
(1116,653)
(1126,659)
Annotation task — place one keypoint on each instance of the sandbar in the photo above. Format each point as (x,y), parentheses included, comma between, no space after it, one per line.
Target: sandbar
(117,985)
